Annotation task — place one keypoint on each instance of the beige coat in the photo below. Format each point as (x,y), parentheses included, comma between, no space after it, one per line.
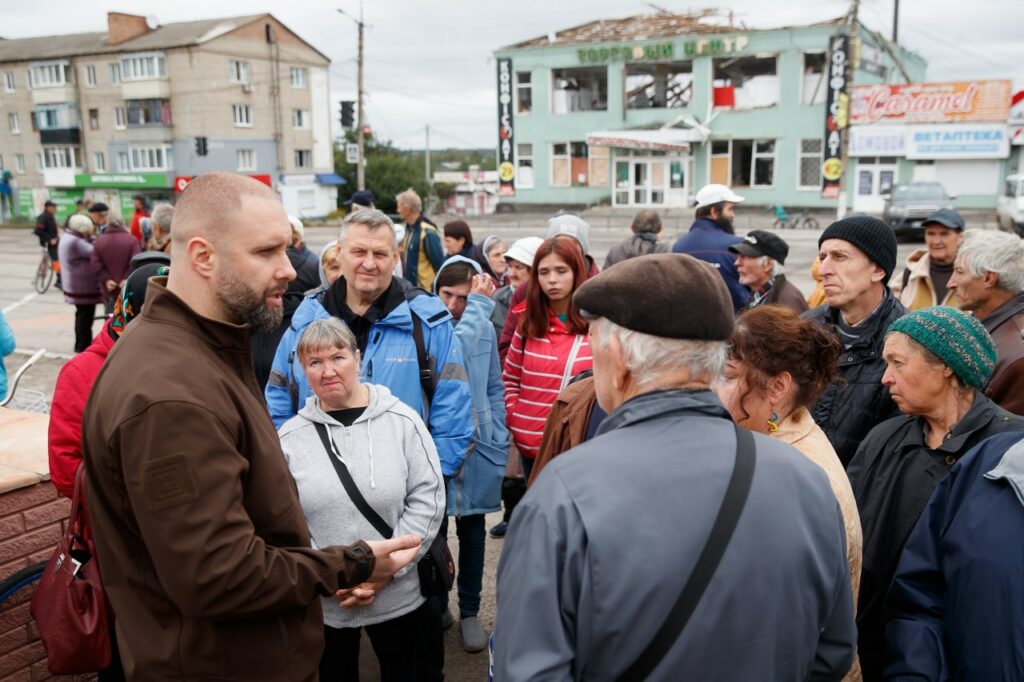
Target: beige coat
(800,431)
(920,291)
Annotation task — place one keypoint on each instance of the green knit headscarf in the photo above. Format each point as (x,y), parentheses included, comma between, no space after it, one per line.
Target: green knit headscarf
(956,338)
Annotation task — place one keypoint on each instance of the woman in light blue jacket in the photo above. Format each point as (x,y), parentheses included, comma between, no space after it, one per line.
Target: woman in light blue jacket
(6,348)
(476,488)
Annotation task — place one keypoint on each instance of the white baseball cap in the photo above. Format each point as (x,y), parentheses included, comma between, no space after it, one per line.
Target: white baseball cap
(713,194)
(297,226)
(524,250)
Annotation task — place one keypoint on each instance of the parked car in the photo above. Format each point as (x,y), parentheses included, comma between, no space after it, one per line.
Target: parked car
(906,206)
(1010,209)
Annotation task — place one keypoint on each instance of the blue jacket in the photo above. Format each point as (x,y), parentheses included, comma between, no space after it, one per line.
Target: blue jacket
(7,347)
(476,489)
(390,359)
(707,241)
(955,603)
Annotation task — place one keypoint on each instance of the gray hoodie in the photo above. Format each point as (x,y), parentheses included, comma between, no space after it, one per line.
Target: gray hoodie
(392,459)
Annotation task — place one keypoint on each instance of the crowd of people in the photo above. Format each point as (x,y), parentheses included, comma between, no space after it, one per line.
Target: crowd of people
(679,442)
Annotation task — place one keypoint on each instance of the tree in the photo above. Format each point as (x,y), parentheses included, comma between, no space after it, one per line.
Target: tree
(388,172)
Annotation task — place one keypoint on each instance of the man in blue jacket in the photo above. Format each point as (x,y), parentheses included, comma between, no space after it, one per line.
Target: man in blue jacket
(384,313)
(712,234)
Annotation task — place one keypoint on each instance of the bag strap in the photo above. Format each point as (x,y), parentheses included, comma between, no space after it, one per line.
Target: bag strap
(75,523)
(379,524)
(426,374)
(721,533)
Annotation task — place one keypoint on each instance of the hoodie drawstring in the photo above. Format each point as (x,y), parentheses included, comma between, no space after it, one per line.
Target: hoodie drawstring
(369,436)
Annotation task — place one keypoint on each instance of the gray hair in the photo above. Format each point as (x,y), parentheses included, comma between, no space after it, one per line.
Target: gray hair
(370,218)
(410,199)
(162,215)
(325,333)
(647,220)
(777,268)
(1000,253)
(648,356)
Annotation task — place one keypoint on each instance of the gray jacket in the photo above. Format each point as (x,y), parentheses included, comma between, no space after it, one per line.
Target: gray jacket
(640,244)
(393,461)
(601,545)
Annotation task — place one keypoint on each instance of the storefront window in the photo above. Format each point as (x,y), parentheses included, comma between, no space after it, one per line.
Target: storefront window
(569,164)
(524,166)
(668,85)
(753,163)
(579,163)
(677,175)
(622,182)
(810,163)
(580,89)
(524,92)
(600,169)
(754,80)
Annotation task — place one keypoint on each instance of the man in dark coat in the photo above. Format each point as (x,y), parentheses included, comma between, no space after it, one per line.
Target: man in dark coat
(583,587)
(858,255)
(112,259)
(759,261)
(46,231)
(712,234)
(646,228)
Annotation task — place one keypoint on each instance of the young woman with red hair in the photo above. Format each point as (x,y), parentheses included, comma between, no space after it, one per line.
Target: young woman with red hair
(550,344)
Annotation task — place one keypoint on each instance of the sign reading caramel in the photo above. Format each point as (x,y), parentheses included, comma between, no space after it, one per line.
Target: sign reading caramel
(932,102)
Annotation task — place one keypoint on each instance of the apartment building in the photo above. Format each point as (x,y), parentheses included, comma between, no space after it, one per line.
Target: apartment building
(143,108)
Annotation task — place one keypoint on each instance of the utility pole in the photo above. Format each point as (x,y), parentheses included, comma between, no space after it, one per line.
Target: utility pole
(854,55)
(360,119)
(426,162)
(895,21)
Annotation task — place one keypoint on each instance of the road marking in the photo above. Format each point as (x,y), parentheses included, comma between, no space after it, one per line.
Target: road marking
(18,304)
(53,355)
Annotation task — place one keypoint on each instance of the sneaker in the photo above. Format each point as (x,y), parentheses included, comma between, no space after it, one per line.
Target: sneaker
(447,619)
(473,637)
(499,530)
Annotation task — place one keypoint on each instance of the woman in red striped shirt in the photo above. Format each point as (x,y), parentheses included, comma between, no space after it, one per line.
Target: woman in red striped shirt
(550,344)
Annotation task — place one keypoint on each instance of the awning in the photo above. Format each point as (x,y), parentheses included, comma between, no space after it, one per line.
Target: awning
(663,139)
(330,179)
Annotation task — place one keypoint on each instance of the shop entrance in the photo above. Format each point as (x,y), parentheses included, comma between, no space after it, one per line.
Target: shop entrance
(875,177)
(654,179)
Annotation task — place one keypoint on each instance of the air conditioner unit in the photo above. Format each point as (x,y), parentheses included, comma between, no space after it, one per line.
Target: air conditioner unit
(246,87)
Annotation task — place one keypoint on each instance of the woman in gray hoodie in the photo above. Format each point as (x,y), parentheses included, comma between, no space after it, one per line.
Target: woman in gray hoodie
(391,458)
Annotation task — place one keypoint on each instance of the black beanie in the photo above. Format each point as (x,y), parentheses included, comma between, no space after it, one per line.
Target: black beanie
(870,235)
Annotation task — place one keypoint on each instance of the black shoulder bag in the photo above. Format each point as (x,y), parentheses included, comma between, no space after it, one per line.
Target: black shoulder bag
(721,533)
(436,569)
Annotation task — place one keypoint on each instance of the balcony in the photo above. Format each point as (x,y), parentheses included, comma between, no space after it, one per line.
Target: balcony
(156,88)
(71,136)
(58,94)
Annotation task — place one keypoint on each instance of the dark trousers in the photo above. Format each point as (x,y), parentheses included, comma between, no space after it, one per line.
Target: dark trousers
(472,534)
(409,648)
(84,315)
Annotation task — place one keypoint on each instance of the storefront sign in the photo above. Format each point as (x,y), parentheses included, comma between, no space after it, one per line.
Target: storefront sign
(298,179)
(837,101)
(878,140)
(140,180)
(932,102)
(506,164)
(181,181)
(662,51)
(65,200)
(958,142)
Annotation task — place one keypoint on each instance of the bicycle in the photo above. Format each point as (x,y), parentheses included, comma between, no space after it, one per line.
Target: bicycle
(804,220)
(45,273)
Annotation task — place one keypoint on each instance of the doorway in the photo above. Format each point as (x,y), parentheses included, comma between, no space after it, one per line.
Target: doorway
(875,178)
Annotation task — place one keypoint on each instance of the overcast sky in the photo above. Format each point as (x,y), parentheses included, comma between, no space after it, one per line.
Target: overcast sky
(430,61)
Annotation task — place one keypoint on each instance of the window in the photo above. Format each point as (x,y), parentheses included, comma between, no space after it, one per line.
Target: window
(667,85)
(753,163)
(59,157)
(98,162)
(115,73)
(48,74)
(19,163)
(94,119)
(148,112)
(9,81)
(582,89)
(303,158)
(600,170)
(90,76)
(524,92)
(12,122)
(746,82)
(810,163)
(242,114)
(47,118)
(813,84)
(123,162)
(143,67)
(299,76)
(569,165)
(246,160)
(151,158)
(238,71)
(120,118)
(300,119)
(524,166)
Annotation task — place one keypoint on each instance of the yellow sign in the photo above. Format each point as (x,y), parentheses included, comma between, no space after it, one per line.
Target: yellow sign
(506,172)
(832,169)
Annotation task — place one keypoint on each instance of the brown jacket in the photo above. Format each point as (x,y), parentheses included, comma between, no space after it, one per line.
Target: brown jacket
(786,294)
(203,547)
(566,426)
(1006,325)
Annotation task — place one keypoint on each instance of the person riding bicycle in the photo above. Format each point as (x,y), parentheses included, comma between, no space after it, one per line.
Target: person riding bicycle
(46,231)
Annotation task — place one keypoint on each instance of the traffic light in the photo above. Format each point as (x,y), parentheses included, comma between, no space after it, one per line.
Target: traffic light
(200,144)
(348,114)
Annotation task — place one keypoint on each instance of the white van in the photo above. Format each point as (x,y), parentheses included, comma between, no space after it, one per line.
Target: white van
(1010,210)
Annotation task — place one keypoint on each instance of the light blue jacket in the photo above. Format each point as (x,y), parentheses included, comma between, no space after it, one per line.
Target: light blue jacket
(6,348)
(476,489)
(390,359)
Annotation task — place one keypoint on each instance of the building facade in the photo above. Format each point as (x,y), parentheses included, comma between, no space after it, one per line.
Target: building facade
(644,111)
(142,109)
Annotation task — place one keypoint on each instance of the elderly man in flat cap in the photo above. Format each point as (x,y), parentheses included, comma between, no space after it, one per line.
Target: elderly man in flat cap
(672,544)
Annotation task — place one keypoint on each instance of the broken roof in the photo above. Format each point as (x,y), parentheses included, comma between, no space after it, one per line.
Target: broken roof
(178,34)
(643,27)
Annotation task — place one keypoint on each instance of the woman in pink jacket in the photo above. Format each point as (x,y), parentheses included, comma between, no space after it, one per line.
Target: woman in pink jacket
(550,344)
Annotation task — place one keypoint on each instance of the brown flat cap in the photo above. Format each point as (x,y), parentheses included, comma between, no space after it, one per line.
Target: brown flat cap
(666,294)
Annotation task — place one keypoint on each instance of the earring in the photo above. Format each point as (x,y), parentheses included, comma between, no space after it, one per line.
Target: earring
(773,423)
